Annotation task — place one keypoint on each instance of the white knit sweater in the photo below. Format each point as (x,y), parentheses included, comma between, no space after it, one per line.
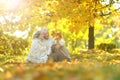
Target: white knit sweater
(38,52)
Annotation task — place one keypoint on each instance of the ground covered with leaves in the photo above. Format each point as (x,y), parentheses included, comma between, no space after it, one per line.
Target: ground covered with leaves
(87,65)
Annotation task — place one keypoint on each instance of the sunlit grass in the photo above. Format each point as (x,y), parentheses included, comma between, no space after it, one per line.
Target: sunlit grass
(4,59)
(89,65)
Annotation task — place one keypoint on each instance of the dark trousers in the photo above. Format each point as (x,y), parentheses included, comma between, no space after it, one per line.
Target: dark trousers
(59,54)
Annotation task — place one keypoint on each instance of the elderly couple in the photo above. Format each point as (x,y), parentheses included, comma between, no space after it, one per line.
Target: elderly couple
(44,48)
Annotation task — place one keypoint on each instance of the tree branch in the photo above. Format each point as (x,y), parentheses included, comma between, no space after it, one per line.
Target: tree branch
(111,2)
(109,12)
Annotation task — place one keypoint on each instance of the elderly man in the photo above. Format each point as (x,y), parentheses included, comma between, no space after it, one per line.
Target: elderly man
(56,52)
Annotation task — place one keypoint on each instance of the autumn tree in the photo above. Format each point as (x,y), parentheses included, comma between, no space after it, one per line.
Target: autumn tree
(81,13)
(78,14)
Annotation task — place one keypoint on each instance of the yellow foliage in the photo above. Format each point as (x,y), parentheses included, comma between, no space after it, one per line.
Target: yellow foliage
(1,70)
(8,75)
(78,12)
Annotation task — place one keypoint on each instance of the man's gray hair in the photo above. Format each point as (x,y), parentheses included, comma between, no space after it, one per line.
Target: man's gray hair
(44,29)
(36,34)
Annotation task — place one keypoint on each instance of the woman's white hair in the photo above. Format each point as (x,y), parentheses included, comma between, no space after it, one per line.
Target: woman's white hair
(36,34)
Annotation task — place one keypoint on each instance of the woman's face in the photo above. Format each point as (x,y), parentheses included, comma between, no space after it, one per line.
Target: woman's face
(41,36)
(46,34)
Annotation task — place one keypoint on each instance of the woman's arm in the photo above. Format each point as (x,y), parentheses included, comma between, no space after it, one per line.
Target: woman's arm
(37,48)
(34,47)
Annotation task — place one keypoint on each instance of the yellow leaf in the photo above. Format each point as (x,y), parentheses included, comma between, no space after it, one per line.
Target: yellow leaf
(1,70)
(8,75)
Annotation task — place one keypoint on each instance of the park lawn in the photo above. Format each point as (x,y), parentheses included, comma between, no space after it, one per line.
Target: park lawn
(89,65)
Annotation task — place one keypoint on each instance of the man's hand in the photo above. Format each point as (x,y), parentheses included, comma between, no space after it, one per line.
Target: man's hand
(58,46)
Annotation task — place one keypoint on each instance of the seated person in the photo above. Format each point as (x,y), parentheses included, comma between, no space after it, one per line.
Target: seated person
(59,51)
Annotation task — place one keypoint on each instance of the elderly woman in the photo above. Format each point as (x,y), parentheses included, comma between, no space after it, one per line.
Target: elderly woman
(38,51)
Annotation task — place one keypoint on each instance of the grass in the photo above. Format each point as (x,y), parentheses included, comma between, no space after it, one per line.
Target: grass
(88,65)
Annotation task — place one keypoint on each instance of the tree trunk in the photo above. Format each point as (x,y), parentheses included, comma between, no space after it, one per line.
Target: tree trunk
(91,38)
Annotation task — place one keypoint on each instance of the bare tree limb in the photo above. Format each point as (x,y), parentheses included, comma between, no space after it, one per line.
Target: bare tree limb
(109,12)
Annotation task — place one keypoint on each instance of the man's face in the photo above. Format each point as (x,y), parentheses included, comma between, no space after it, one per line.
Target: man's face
(46,34)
